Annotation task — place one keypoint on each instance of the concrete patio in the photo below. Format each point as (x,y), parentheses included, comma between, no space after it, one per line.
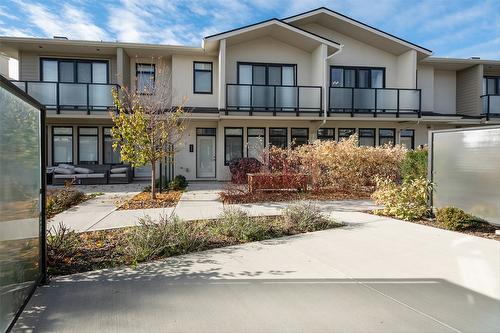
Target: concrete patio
(382,275)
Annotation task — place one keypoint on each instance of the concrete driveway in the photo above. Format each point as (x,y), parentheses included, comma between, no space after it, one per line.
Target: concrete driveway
(383,275)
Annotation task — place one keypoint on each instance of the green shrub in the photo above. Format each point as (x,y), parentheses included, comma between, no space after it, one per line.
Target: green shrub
(306,217)
(408,201)
(61,242)
(236,224)
(453,218)
(414,165)
(178,183)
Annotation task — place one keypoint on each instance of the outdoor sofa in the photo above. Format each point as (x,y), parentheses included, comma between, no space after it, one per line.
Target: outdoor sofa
(91,174)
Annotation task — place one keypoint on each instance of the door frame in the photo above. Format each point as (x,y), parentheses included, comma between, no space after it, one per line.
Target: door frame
(215,151)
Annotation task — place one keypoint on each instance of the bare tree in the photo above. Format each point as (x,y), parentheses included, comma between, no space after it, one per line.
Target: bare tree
(148,127)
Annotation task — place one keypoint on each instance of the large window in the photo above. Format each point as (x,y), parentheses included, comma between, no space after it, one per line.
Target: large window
(278,137)
(88,139)
(367,137)
(345,133)
(202,77)
(357,77)
(491,85)
(325,134)
(267,74)
(300,136)
(74,71)
(386,136)
(62,145)
(256,141)
(407,138)
(145,77)
(233,144)
(111,156)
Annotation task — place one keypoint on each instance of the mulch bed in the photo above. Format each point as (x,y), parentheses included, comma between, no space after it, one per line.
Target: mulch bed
(143,200)
(485,230)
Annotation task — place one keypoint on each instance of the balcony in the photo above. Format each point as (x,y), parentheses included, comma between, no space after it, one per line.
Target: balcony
(375,101)
(275,99)
(491,106)
(70,96)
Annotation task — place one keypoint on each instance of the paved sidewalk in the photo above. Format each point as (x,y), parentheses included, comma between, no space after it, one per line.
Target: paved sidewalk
(383,276)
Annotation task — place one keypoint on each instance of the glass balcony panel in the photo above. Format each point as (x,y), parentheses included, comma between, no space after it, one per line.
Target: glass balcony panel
(100,95)
(262,97)
(310,98)
(71,94)
(364,99)
(286,97)
(340,98)
(238,96)
(44,92)
(408,100)
(387,100)
(495,104)
(20,85)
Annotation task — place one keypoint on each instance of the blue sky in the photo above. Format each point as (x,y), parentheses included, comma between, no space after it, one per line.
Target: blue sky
(449,28)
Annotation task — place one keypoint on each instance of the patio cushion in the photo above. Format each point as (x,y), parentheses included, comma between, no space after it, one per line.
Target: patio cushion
(71,176)
(118,175)
(119,170)
(65,171)
(83,170)
(66,166)
(95,175)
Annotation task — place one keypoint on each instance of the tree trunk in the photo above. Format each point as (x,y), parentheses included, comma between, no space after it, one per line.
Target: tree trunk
(153,180)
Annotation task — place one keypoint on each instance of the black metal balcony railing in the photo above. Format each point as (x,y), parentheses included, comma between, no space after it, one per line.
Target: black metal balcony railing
(73,96)
(375,101)
(491,106)
(270,98)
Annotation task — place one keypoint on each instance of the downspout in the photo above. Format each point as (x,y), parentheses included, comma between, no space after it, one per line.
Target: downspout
(325,113)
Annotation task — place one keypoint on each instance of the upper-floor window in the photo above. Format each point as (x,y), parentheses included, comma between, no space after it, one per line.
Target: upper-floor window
(491,85)
(202,77)
(267,74)
(357,77)
(145,74)
(74,71)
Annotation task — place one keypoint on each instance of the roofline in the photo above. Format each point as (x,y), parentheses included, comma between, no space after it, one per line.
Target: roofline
(277,21)
(359,22)
(460,60)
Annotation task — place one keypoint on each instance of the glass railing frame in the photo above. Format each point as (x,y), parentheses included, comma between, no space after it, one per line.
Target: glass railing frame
(488,112)
(58,106)
(397,111)
(274,109)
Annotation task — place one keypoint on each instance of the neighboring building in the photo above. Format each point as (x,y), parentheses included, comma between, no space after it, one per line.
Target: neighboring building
(315,75)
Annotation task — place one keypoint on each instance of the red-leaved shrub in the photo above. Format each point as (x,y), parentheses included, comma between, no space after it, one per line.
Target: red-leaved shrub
(240,167)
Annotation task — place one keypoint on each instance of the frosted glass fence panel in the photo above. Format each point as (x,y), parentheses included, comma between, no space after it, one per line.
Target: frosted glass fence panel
(387,99)
(262,97)
(100,95)
(341,98)
(72,94)
(409,100)
(20,213)
(310,98)
(364,99)
(44,92)
(286,97)
(465,166)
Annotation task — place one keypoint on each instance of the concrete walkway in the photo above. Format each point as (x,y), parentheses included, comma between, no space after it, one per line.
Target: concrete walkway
(380,276)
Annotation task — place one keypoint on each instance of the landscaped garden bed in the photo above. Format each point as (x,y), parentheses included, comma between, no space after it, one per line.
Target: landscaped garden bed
(484,230)
(143,200)
(70,252)
(61,199)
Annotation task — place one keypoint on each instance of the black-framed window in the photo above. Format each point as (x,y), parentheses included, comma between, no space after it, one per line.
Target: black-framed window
(74,70)
(357,77)
(367,137)
(267,74)
(62,145)
(110,156)
(278,136)
(233,143)
(299,136)
(88,142)
(326,134)
(491,85)
(407,138)
(205,131)
(345,133)
(202,77)
(256,141)
(386,136)
(145,75)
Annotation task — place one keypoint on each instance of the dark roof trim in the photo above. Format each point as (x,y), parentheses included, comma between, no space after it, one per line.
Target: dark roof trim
(270,20)
(366,25)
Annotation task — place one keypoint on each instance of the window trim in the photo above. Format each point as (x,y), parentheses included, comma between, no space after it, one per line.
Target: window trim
(356,69)
(104,136)
(374,136)
(66,135)
(406,136)
(285,136)
(497,84)
(267,65)
(75,69)
(226,162)
(90,135)
(137,71)
(393,137)
(256,136)
(211,71)
(339,138)
(326,138)
(299,128)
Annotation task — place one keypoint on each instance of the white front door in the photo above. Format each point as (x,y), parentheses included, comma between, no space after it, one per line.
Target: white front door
(205,156)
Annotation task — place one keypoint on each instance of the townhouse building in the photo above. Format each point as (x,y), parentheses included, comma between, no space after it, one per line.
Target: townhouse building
(315,75)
